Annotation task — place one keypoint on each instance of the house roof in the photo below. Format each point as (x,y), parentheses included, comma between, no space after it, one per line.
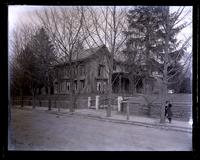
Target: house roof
(85,54)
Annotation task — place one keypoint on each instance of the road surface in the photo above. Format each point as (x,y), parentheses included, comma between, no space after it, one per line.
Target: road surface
(39,130)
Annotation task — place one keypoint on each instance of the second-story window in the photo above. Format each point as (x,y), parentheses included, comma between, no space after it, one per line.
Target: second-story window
(75,85)
(100,70)
(82,70)
(75,70)
(66,71)
(98,86)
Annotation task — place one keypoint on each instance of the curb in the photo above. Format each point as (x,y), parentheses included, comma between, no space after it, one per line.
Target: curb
(149,125)
(144,124)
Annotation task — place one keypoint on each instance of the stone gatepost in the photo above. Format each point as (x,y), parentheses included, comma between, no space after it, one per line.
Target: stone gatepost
(97,102)
(119,102)
(89,102)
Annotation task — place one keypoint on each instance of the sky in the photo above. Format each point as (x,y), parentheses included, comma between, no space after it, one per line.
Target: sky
(18,14)
(21,13)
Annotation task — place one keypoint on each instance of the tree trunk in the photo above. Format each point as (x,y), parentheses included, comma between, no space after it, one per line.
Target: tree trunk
(164,84)
(109,95)
(49,97)
(120,84)
(163,101)
(33,99)
(144,85)
(71,106)
(22,98)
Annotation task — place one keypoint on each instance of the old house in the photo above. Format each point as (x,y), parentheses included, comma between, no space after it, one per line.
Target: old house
(90,69)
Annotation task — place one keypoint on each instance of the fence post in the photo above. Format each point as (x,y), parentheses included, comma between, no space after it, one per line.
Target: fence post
(89,102)
(97,102)
(119,100)
(127,110)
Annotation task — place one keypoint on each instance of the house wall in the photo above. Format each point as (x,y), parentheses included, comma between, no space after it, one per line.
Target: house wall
(92,72)
(91,75)
(92,80)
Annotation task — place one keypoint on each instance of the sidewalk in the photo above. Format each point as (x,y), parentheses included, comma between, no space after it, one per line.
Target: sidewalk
(121,118)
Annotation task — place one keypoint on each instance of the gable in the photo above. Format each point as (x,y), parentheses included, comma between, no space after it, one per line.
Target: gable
(88,53)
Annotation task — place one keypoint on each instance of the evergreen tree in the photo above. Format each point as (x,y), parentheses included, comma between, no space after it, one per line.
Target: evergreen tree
(43,51)
(144,42)
(153,41)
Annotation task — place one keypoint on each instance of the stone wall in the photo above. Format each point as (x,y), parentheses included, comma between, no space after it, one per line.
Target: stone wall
(181,111)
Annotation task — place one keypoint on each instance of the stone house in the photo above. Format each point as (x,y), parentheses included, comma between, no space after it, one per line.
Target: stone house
(91,75)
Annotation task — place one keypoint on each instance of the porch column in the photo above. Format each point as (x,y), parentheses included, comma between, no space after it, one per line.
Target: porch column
(97,102)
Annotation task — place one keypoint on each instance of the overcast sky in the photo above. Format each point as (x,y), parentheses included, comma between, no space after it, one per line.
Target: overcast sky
(18,14)
(21,13)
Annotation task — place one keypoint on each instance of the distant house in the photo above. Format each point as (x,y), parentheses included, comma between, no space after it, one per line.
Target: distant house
(91,74)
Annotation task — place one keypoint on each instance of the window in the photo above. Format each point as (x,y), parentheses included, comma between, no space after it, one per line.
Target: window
(82,70)
(100,70)
(75,85)
(98,86)
(66,72)
(75,69)
(83,83)
(68,86)
(62,86)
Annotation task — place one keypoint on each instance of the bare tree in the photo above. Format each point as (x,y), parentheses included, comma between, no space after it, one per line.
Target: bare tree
(64,27)
(105,26)
(31,62)
(19,59)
